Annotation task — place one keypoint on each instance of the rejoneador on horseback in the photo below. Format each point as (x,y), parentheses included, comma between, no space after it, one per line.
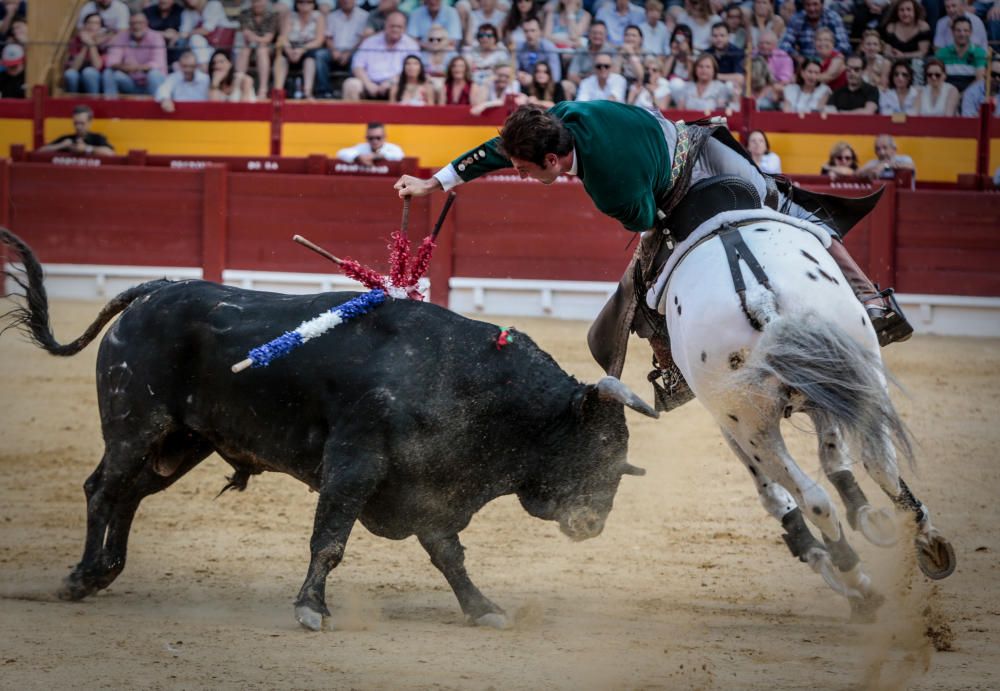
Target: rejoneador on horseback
(749,300)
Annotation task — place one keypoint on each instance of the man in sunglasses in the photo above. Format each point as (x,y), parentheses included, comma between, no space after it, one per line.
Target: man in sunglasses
(433,12)
(856,96)
(374,149)
(637,167)
(603,84)
(975,95)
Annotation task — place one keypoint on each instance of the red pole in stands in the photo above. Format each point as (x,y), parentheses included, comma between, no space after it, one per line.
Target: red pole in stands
(4,215)
(5,192)
(213,223)
(277,116)
(983,143)
(748,107)
(38,95)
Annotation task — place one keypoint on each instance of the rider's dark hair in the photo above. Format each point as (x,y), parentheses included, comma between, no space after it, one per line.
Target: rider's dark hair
(530,132)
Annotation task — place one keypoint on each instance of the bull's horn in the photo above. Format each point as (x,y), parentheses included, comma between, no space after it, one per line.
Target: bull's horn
(633,470)
(612,388)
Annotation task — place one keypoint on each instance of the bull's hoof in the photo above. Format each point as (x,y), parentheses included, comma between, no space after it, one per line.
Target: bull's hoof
(309,618)
(74,589)
(935,555)
(864,609)
(494,620)
(878,527)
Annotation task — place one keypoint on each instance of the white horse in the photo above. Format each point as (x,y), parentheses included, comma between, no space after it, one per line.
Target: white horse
(794,340)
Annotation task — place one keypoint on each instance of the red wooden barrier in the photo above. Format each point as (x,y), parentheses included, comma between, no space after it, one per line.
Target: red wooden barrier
(213,223)
(947,243)
(923,242)
(350,217)
(521,229)
(108,215)
(316,164)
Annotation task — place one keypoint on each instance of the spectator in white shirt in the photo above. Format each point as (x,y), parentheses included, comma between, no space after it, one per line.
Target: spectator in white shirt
(603,84)
(114,14)
(955,9)
(494,92)
(187,83)
(199,20)
(374,148)
(345,28)
(655,36)
(618,15)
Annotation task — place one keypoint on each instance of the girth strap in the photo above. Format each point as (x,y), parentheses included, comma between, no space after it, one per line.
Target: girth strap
(737,249)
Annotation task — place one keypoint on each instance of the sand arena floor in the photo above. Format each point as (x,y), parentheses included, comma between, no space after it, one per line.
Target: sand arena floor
(689,586)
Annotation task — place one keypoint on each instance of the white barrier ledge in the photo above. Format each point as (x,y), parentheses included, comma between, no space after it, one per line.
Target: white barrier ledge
(947,315)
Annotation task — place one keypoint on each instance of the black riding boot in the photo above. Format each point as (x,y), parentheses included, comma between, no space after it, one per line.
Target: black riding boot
(886,316)
(674,391)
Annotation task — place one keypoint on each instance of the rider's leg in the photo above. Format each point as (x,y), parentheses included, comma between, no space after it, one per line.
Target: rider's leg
(718,159)
(674,391)
(886,316)
(887,319)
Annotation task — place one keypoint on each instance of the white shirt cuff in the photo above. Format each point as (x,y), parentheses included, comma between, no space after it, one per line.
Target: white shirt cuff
(448,177)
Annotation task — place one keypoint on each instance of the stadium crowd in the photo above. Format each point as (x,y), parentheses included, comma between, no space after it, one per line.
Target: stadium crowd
(918,57)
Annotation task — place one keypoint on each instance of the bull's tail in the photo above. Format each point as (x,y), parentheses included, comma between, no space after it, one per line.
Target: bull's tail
(813,356)
(32,318)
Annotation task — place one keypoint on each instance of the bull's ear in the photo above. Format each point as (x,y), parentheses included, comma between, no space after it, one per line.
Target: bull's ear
(611,388)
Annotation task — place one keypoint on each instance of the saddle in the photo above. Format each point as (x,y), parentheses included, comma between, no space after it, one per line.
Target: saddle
(680,213)
(704,200)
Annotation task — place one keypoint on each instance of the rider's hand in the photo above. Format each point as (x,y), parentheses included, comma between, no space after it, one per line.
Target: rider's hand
(410,186)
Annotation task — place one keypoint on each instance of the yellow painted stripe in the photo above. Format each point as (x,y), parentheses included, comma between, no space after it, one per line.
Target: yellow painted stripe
(14,131)
(191,137)
(994,155)
(434,145)
(937,159)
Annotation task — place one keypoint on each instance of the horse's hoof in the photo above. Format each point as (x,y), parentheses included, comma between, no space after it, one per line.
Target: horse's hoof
(864,609)
(820,562)
(935,556)
(493,620)
(309,618)
(878,527)
(73,589)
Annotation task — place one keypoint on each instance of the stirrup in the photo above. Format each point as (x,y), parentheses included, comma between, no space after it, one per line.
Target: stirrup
(888,319)
(673,392)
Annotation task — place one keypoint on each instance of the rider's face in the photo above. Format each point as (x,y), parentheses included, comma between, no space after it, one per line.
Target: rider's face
(546,174)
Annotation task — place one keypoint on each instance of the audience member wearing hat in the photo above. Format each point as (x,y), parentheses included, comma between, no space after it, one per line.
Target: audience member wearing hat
(12,77)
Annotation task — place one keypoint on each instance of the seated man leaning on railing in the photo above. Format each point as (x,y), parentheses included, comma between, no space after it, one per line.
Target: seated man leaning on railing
(82,141)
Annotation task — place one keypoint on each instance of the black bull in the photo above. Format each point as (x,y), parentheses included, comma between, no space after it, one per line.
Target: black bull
(409,419)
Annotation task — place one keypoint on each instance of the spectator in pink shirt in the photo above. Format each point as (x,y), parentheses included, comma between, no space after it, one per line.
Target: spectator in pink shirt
(379,60)
(778,61)
(136,62)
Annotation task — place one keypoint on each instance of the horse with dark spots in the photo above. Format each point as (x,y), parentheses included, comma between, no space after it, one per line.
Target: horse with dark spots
(408,419)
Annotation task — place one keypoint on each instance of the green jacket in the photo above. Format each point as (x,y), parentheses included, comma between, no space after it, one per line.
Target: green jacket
(622,158)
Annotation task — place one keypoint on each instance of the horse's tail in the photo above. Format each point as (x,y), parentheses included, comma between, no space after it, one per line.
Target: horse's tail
(32,318)
(836,375)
